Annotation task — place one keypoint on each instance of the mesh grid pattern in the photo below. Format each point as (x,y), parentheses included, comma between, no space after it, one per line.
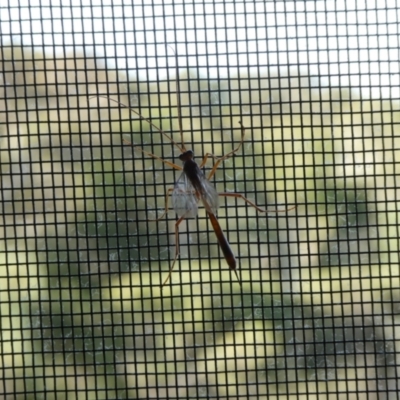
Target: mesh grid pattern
(82,256)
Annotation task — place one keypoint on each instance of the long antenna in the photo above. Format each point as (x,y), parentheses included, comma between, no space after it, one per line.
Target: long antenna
(140,117)
(178,95)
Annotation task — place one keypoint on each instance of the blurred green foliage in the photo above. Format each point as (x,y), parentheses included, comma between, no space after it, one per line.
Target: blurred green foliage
(82,313)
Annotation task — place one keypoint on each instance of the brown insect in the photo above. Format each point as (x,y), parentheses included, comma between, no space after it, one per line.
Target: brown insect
(193,186)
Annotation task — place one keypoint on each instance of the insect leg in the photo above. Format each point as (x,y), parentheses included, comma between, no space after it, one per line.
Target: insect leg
(240,196)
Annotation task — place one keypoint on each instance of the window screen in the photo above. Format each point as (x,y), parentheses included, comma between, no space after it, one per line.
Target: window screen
(98,101)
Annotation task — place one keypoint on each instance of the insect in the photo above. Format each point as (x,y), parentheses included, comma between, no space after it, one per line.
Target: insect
(193,186)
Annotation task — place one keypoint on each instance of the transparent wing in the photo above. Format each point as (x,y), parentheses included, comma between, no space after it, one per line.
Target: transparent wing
(184,200)
(209,195)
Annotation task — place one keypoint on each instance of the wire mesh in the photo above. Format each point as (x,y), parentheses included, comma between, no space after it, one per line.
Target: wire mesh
(316,311)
